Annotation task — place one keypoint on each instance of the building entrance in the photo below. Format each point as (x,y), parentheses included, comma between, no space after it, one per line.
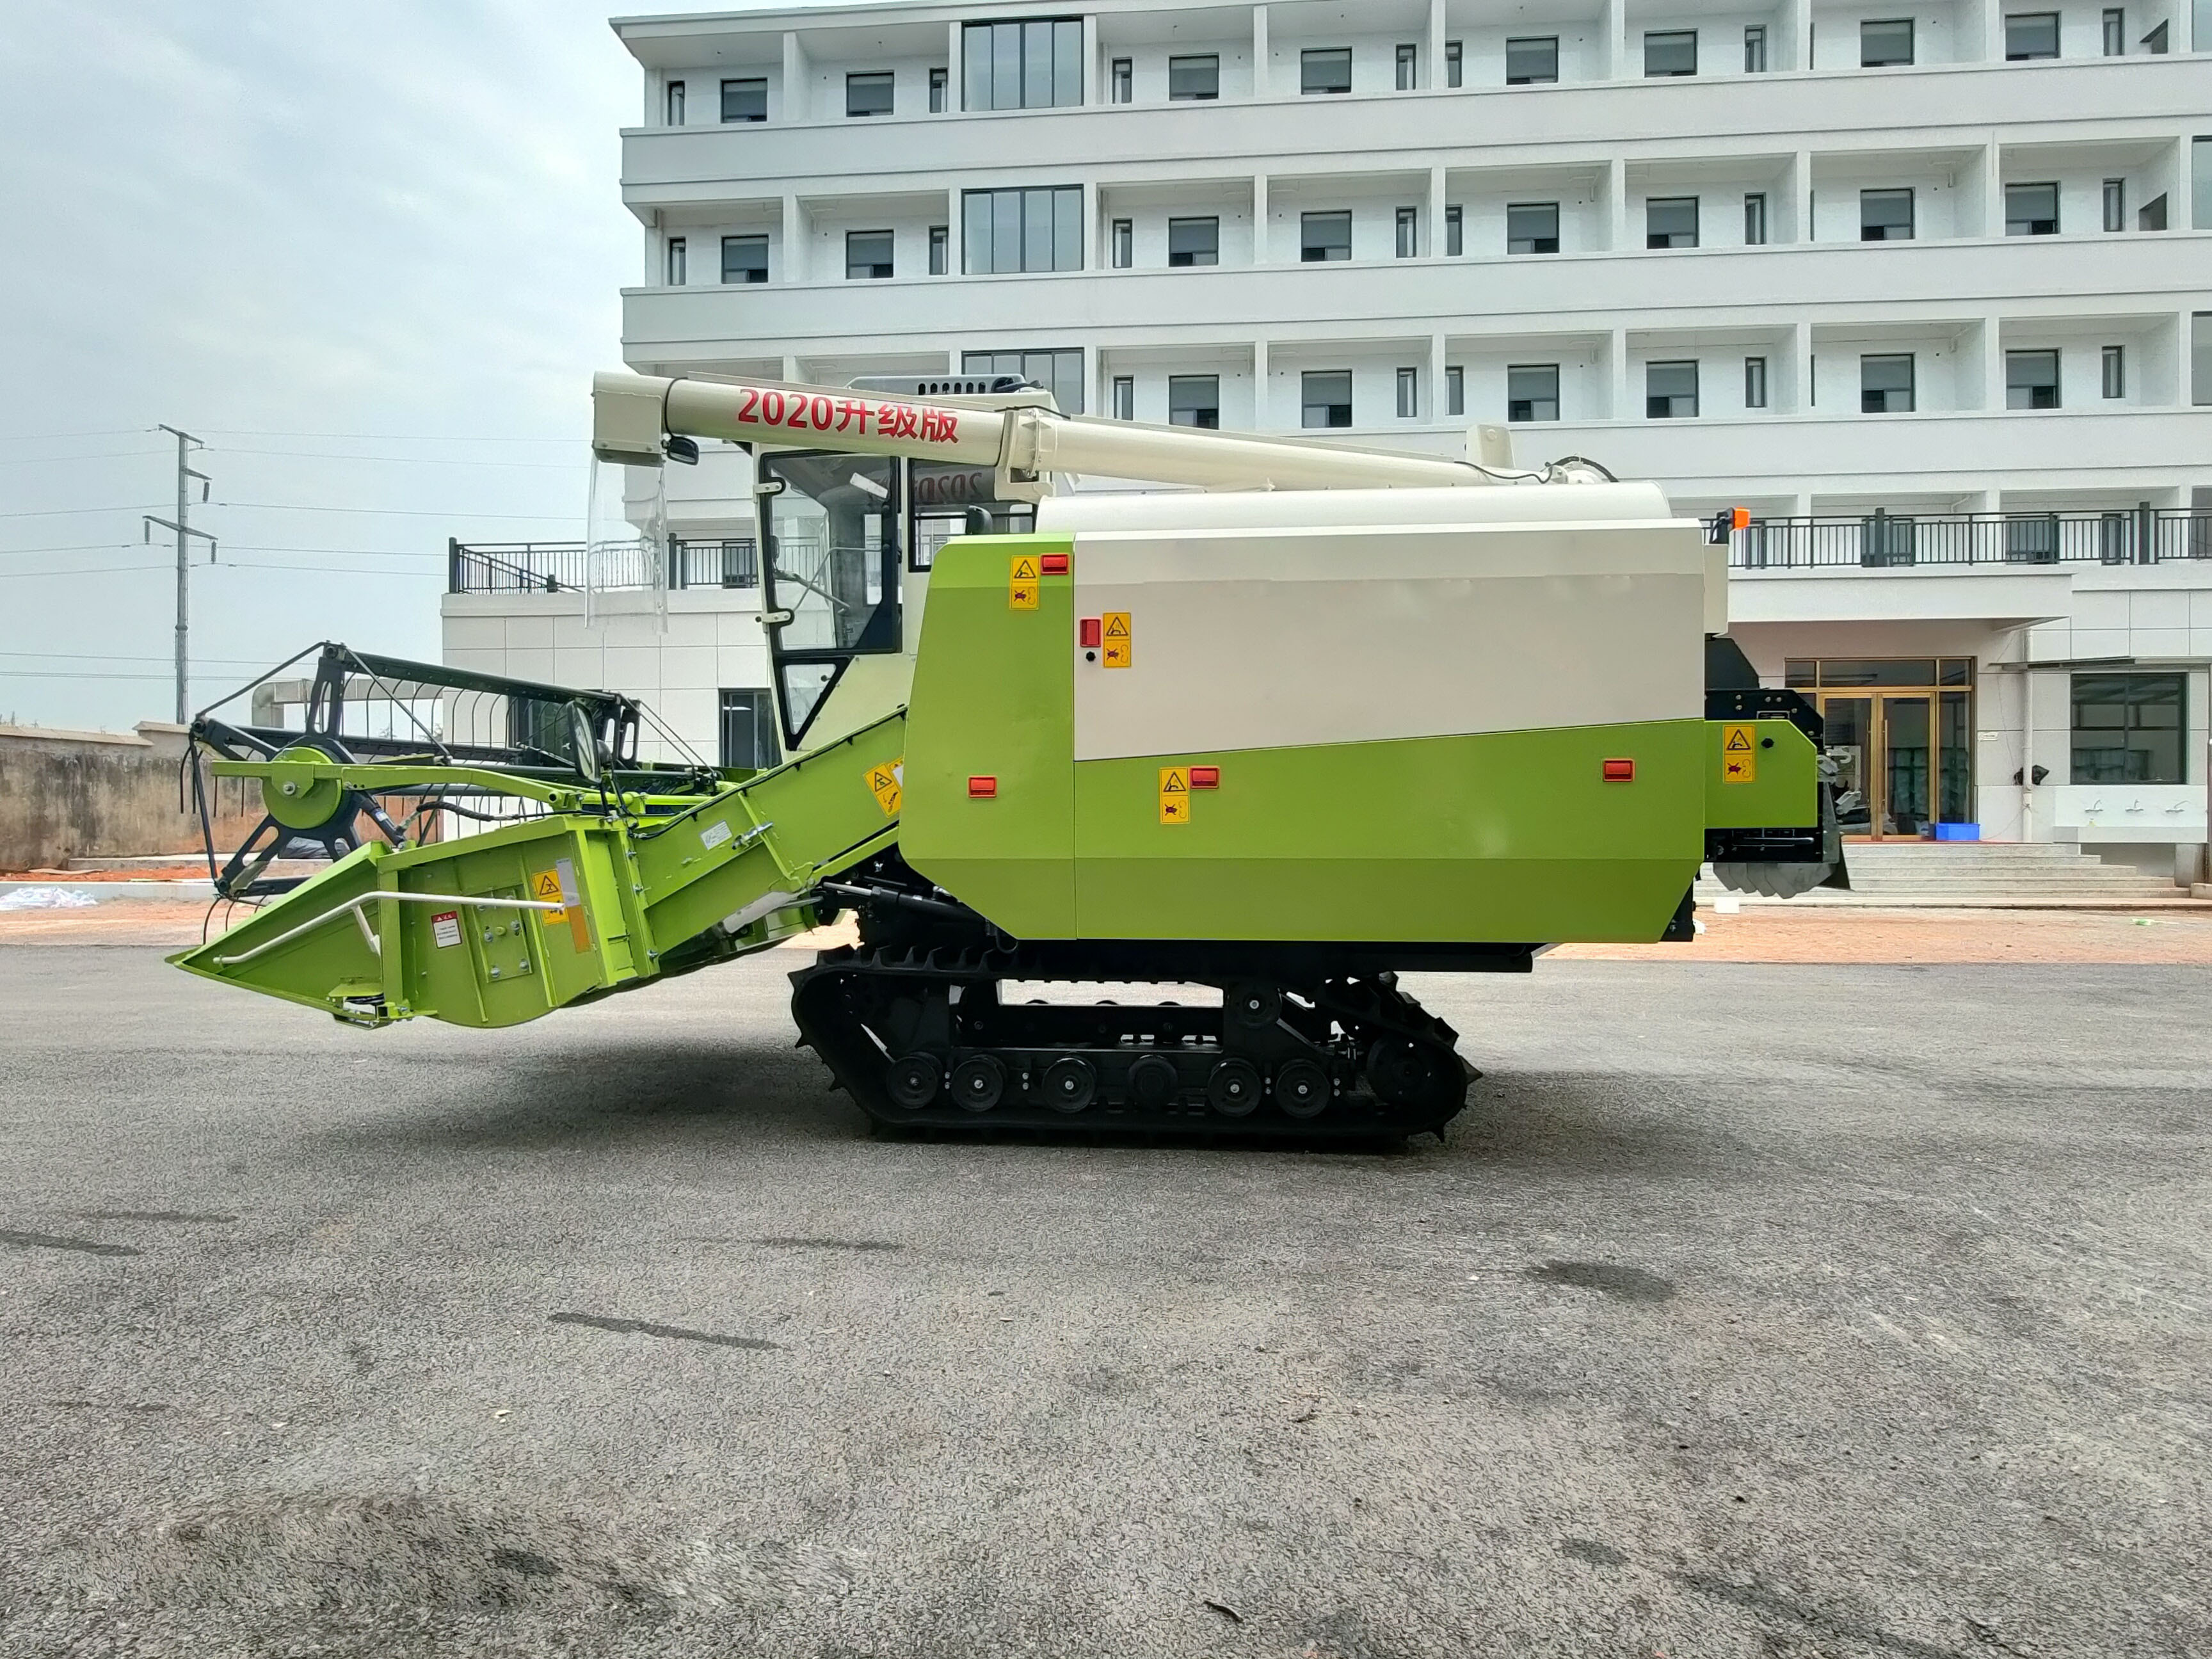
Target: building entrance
(1899,730)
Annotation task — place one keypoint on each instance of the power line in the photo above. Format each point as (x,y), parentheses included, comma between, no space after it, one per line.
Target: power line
(117,656)
(60,512)
(401,460)
(74,547)
(387,437)
(400,512)
(102,570)
(63,437)
(111,454)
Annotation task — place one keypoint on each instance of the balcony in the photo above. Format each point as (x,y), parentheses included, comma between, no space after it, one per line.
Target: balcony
(1885,541)
(568,567)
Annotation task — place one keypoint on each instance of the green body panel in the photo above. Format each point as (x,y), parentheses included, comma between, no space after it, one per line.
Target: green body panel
(994,696)
(1784,788)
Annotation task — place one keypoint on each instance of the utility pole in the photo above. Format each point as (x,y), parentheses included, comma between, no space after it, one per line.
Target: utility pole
(183,526)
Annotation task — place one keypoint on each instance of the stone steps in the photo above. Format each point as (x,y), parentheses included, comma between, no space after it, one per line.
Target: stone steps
(1988,871)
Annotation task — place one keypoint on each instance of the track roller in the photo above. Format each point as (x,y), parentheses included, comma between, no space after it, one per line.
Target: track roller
(1235,1088)
(978,1082)
(1070,1084)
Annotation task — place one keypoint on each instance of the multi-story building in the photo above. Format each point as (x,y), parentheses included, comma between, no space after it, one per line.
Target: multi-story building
(1924,284)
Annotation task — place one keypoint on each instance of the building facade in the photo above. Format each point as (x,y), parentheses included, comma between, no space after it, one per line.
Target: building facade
(1926,287)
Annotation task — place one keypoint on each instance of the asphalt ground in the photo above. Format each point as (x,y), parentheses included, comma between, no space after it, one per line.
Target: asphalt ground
(1761,1309)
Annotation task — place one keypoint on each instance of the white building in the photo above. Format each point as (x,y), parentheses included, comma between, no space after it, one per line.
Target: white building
(1925,284)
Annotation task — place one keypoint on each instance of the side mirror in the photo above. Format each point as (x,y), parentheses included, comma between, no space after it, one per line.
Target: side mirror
(584,739)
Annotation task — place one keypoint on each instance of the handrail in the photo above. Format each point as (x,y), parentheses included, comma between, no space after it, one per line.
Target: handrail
(1884,539)
(352,907)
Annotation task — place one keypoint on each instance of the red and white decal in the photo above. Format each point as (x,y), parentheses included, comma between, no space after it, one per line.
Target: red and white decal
(860,417)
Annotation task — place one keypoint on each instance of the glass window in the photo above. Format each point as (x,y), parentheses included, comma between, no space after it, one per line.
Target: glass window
(2031,34)
(1195,77)
(1455,63)
(2115,203)
(832,545)
(1754,48)
(1754,219)
(1409,233)
(867,254)
(2151,215)
(1532,228)
(1801,672)
(1059,370)
(1194,241)
(1886,384)
(1885,216)
(745,100)
(1324,237)
(677,262)
(1754,383)
(1670,222)
(2115,376)
(1670,52)
(744,259)
(1884,43)
(2030,379)
(1125,396)
(1455,389)
(1409,61)
(1124,244)
(1123,74)
(1194,400)
(748,726)
(1024,230)
(1531,59)
(2115,31)
(2200,198)
(958,498)
(1323,71)
(2156,42)
(1409,394)
(1852,672)
(869,94)
(1670,390)
(940,90)
(674,113)
(2130,728)
(1325,398)
(1532,392)
(1033,63)
(1455,232)
(2031,209)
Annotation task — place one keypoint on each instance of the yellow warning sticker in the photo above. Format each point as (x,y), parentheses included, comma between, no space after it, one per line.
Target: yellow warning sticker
(887,783)
(1022,583)
(1120,646)
(1174,794)
(1739,754)
(546,885)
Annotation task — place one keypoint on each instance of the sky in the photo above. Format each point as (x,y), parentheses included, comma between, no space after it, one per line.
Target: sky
(370,254)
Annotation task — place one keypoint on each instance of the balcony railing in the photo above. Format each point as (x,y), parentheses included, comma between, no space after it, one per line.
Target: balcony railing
(564,567)
(1881,541)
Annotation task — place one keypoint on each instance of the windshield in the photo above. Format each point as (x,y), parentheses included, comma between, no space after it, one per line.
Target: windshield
(957,498)
(832,568)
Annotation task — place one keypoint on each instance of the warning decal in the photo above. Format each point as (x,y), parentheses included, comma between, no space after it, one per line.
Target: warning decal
(1739,754)
(1174,794)
(887,783)
(1120,646)
(446,929)
(546,885)
(1022,583)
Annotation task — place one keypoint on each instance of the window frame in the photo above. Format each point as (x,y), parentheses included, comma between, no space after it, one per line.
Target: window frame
(1307,244)
(1533,404)
(1912,42)
(2052,18)
(676,262)
(1910,388)
(673,104)
(940,89)
(1455,64)
(1890,193)
(758,708)
(940,250)
(2113,372)
(1212,60)
(878,270)
(2035,390)
(2129,686)
(1550,42)
(1121,79)
(1311,57)
(1406,66)
(1122,244)
(2112,200)
(1066,375)
(1124,395)
(1754,382)
(1534,243)
(885,80)
(1214,407)
(1409,393)
(1405,231)
(2054,222)
(1455,230)
(1308,405)
(1071,196)
(1061,54)
(2115,27)
(1754,218)
(1696,231)
(1695,394)
(739,83)
(1674,38)
(1454,389)
(739,239)
(1212,252)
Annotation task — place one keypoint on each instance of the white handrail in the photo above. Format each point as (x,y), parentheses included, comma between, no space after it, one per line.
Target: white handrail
(353,908)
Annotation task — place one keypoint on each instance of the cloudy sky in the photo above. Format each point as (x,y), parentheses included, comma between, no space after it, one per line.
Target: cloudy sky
(370,254)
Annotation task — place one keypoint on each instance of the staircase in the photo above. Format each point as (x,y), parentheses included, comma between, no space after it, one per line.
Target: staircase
(1983,872)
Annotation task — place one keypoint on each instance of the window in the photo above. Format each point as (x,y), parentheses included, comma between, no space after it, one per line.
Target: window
(867,254)
(2115,372)
(2115,31)
(2031,209)
(1194,241)
(940,90)
(1325,71)
(744,259)
(1754,383)
(2130,728)
(2155,42)
(1754,48)
(1409,233)
(1886,384)
(1670,390)
(1670,222)
(1455,232)
(941,249)
(1122,73)
(1125,244)
(1409,394)
(869,94)
(1125,396)
(1886,43)
(676,262)
(1531,59)
(1532,228)
(2031,34)
(1010,230)
(675,111)
(748,727)
(1196,78)
(1754,219)
(1455,63)
(1325,398)
(2151,215)
(1885,216)
(1194,400)
(1409,67)
(1455,389)
(744,100)
(2200,358)
(1058,371)
(1324,237)
(1670,52)
(1532,392)
(1036,63)
(2030,379)
(2116,204)
(2200,200)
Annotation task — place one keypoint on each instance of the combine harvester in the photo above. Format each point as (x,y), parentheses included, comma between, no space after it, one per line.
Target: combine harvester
(1321,715)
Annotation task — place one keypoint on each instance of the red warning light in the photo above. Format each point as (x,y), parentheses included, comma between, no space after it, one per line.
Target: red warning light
(980,788)
(1053,564)
(1206,777)
(1620,771)
(1738,518)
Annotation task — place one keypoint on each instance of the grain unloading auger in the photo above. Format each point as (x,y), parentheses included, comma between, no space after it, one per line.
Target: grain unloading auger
(1328,715)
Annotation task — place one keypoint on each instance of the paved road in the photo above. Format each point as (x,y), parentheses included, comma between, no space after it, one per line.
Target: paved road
(1750,1310)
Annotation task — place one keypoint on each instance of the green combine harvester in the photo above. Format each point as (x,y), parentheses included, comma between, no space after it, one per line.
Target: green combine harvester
(1310,717)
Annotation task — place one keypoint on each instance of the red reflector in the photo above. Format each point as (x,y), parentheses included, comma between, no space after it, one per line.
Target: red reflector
(1053,564)
(1206,777)
(1620,771)
(982,788)
(1090,630)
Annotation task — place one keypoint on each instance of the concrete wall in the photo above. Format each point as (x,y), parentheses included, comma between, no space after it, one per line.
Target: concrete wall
(86,794)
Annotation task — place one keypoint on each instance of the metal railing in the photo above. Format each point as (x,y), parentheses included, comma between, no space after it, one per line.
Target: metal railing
(562,567)
(1884,540)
